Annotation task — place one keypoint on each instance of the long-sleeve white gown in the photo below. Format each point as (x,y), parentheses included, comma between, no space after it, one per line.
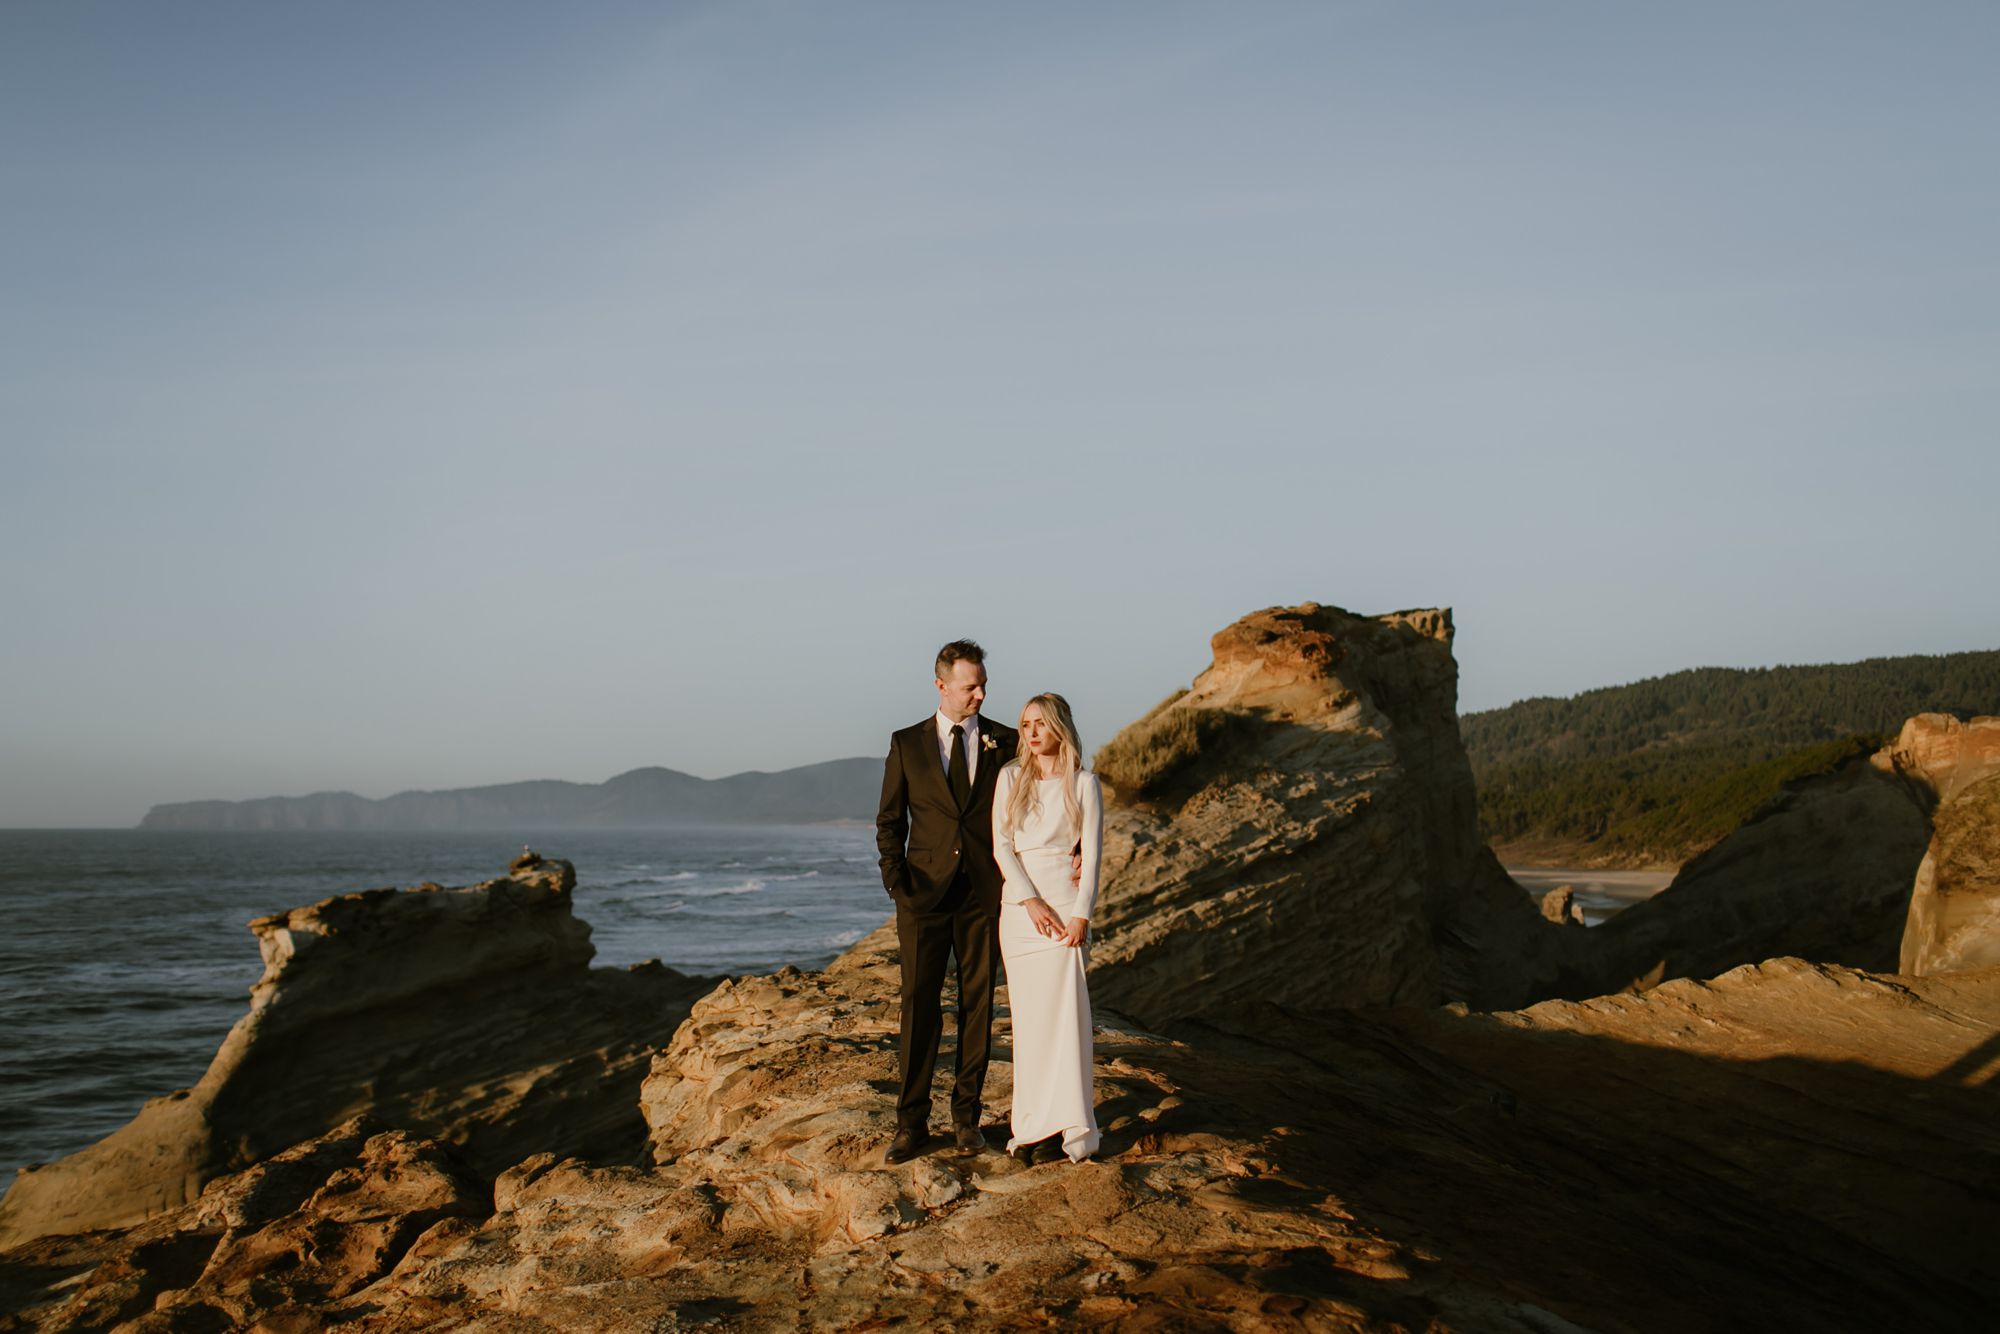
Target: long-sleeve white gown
(1047,995)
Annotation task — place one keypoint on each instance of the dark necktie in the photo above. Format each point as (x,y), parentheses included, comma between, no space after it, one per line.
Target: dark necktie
(961,777)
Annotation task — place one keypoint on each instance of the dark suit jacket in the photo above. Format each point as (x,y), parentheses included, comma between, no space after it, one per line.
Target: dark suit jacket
(923,834)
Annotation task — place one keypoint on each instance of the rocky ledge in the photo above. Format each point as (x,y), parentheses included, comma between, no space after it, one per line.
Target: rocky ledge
(1790,1137)
(470,1015)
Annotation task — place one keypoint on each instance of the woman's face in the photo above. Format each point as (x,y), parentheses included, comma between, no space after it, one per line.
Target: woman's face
(1036,734)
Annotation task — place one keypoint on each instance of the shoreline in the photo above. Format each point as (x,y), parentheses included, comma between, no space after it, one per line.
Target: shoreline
(1569,855)
(1601,894)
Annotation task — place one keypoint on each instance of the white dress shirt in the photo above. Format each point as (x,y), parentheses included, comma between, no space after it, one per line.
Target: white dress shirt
(971,744)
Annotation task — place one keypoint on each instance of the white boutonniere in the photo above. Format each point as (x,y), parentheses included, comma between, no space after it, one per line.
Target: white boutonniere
(987,743)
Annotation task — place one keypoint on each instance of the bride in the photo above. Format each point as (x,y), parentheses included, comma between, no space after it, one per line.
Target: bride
(1045,804)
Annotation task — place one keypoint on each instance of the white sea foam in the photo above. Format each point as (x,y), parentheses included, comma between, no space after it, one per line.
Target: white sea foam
(750,886)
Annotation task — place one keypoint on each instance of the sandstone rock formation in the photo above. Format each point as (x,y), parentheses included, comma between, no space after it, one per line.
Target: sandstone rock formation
(304,1229)
(1804,1140)
(1560,905)
(1300,827)
(470,1015)
(1954,917)
(1822,872)
(1943,754)
(1835,869)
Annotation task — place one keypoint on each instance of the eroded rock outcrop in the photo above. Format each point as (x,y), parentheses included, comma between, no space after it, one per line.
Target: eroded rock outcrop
(1300,826)
(1954,916)
(1887,863)
(1791,1138)
(1944,754)
(1822,872)
(471,1015)
(300,1231)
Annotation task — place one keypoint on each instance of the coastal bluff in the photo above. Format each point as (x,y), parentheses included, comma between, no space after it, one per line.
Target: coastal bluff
(1349,1075)
(1790,1137)
(470,1015)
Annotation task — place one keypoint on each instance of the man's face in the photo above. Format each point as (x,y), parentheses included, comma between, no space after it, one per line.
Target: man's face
(962,690)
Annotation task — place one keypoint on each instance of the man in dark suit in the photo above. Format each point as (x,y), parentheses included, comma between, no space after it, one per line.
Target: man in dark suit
(935,833)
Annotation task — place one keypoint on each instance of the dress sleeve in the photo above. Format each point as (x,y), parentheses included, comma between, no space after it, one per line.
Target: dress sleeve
(1015,887)
(1091,799)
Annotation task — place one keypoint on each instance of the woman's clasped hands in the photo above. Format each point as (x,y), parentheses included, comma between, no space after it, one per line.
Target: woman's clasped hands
(1045,920)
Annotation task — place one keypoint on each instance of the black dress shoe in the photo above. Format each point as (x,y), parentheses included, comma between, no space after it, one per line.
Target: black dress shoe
(1048,1151)
(906,1145)
(970,1139)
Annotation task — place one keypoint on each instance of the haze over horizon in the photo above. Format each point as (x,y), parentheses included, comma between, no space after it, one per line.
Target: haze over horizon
(422,397)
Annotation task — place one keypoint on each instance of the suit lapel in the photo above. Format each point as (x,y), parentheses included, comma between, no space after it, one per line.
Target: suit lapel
(982,773)
(990,759)
(927,745)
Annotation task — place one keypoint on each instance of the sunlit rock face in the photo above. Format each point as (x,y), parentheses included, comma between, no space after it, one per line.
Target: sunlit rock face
(1943,753)
(1822,872)
(471,1015)
(1301,827)
(1789,1136)
(1954,916)
(1887,863)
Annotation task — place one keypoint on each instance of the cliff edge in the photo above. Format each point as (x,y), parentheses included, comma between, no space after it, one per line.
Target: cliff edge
(470,1015)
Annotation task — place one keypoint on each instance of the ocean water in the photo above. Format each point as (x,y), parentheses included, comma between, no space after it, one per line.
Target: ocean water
(1600,894)
(125,956)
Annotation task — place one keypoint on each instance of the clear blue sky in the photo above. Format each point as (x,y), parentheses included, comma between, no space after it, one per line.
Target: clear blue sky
(420,395)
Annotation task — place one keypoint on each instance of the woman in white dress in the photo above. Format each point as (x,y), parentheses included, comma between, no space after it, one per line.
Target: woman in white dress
(1045,804)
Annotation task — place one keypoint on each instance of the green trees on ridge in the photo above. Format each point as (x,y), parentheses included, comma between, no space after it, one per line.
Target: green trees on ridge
(1663,767)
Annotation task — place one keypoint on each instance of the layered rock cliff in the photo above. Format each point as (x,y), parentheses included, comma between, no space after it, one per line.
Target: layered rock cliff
(1954,916)
(471,1015)
(1810,1141)
(1300,827)
(1885,863)
(1822,872)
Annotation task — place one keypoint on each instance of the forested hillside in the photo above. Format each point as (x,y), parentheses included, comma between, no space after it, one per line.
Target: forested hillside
(1657,770)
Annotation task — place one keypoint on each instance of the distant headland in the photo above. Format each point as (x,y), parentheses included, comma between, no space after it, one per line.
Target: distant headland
(642,798)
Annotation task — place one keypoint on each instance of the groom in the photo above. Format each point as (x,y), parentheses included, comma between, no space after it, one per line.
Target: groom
(935,833)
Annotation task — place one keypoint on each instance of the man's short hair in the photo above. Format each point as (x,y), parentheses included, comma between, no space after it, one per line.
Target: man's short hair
(958,650)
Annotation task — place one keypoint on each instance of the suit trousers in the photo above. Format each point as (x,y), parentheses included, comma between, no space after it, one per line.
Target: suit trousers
(963,927)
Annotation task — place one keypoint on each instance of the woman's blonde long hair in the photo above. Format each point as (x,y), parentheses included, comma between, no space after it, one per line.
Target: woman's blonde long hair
(1027,793)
